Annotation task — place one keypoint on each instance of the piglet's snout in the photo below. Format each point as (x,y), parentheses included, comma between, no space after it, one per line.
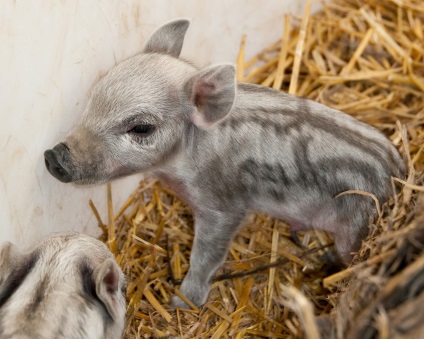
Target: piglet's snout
(54,160)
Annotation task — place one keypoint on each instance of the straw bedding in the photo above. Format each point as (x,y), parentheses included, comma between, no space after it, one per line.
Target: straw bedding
(366,58)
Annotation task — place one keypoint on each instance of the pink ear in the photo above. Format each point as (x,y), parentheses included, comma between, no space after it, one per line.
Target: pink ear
(212,92)
(107,287)
(111,279)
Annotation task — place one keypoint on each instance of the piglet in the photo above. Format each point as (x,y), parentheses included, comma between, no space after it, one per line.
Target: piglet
(227,148)
(68,287)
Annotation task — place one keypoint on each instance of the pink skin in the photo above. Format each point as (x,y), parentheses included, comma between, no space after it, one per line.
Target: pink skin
(200,121)
(297,226)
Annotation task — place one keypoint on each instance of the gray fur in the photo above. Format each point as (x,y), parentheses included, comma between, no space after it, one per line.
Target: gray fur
(52,291)
(228,149)
(167,40)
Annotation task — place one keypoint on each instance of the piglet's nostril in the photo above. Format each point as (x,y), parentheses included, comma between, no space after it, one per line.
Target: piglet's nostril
(59,170)
(53,161)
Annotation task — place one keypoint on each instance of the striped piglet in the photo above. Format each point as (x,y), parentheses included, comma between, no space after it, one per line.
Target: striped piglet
(227,148)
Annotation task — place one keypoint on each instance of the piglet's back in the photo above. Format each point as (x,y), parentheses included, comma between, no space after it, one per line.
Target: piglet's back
(303,141)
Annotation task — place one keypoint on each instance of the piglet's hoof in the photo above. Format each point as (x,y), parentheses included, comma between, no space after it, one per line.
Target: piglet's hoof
(177,302)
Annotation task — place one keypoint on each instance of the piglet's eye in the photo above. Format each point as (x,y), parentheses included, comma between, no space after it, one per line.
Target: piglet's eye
(141,130)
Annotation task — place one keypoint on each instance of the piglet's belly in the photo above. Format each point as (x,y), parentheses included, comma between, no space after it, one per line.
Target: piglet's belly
(302,213)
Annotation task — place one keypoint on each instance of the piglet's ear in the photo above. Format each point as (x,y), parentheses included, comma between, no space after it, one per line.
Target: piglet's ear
(212,92)
(168,39)
(106,278)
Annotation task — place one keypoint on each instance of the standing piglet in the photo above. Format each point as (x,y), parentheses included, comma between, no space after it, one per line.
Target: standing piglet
(68,287)
(227,148)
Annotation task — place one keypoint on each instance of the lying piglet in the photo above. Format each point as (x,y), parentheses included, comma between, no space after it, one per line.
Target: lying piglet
(67,287)
(227,148)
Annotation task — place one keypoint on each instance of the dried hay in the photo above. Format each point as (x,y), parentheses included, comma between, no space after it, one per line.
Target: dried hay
(365,57)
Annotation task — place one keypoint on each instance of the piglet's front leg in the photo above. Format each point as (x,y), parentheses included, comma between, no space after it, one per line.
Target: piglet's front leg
(214,231)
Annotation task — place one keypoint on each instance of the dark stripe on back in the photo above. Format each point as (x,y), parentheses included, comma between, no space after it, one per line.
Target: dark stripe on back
(253,88)
(303,115)
(17,277)
(317,172)
(344,133)
(40,293)
(88,283)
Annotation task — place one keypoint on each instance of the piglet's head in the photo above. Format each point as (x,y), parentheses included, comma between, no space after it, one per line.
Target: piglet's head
(138,114)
